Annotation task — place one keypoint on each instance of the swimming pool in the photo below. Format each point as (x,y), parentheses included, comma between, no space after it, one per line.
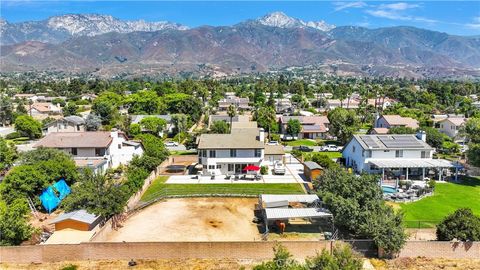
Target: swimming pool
(389,189)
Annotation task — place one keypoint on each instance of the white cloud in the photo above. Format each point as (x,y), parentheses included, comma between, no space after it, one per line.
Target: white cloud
(475,24)
(398,6)
(397,11)
(346,5)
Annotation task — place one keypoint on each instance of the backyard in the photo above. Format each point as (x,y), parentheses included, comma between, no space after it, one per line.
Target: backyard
(447,198)
(305,142)
(158,188)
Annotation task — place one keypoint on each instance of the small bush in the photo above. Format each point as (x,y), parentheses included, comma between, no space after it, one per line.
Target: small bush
(12,136)
(70,267)
(264,170)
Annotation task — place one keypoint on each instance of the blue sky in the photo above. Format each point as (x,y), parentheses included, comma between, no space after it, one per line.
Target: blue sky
(454,17)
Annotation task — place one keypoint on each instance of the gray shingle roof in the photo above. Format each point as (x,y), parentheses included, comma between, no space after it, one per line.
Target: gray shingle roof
(79,215)
(312,165)
(98,139)
(239,139)
(77,120)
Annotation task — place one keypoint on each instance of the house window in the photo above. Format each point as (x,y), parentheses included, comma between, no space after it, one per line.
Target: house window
(368,153)
(211,167)
(78,127)
(423,154)
(386,151)
(233,152)
(204,153)
(74,151)
(399,153)
(212,154)
(353,149)
(204,166)
(230,168)
(99,152)
(119,146)
(258,152)
(219,166)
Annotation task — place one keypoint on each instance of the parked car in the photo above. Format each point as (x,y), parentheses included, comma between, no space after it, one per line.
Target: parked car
(278,167)
(303,148)
(289,138)
(171,144)
(273,143)
(331,148)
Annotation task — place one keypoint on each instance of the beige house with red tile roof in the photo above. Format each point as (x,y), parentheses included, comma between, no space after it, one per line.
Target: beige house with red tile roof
(389,121)
(313,127)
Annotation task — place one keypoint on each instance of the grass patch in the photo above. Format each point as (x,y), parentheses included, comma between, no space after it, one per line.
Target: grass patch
(159,188)
(183,153)
(448,197)
(302,142)
(332,154)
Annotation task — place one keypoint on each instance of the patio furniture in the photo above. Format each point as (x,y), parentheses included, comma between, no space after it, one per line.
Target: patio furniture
(227,176)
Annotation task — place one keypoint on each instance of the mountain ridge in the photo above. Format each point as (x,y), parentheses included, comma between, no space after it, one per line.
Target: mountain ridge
(255,46)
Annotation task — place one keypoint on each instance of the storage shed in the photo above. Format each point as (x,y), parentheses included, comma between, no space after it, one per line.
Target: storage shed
(311,170)
(79,220)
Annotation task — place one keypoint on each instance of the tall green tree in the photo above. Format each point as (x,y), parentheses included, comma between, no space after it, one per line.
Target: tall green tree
(145,102)
(153,124)
(29,127)
(343,123)
(14,226)
(266,118)
(219,127)
(232,112)
(7,155)
(294,127)
(356,203)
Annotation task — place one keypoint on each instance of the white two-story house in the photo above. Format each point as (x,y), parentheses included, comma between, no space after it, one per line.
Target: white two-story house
(451,126)
(97,149)
(400,155)
(231,153)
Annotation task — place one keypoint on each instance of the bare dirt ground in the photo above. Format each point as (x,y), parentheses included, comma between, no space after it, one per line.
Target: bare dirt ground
(197,264)
(422,234)
(191,219)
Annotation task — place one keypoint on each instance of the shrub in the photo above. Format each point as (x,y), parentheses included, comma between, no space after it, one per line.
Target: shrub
(264,170)
(462,225)
(12,135)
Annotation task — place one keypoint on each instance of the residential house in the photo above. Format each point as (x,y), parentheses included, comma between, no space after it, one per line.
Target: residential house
(31,97)
(389,121)
(381,102)
(97,149)
(89,97)
(226,118)
(71,123)
(351,103)
(313,127)
(396,155)
(451,126)
(237,102)
(41,110)
(283,106)
(231,153)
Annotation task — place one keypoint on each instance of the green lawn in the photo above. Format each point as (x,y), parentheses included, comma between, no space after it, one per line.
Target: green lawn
(447,198)
(302,142)
(159,188)
(333,154)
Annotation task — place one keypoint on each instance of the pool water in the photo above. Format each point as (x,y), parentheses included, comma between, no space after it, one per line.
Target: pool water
(388,189)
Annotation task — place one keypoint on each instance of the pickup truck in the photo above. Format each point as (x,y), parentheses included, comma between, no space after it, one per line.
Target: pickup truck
(278,168)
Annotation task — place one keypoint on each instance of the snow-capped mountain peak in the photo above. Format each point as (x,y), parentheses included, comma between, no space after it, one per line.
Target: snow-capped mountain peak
(94,24)
(280,19)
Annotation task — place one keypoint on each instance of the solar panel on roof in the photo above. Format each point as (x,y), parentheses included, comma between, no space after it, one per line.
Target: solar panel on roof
(400,142)
(370,142)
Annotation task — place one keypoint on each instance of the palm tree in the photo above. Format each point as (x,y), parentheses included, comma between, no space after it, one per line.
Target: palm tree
(231,113)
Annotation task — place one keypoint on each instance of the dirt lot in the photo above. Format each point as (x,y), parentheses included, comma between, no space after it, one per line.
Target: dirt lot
(191,219)
(195,264)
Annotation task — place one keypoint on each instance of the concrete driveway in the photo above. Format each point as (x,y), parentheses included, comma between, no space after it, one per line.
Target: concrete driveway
(180,147)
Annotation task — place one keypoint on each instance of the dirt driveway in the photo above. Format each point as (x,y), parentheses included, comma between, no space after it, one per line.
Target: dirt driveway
(191,219)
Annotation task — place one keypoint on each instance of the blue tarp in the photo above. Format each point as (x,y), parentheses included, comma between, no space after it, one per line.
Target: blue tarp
(49,200)
(62,189)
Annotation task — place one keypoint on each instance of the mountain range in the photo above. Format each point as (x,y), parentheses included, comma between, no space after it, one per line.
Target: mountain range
(107,47)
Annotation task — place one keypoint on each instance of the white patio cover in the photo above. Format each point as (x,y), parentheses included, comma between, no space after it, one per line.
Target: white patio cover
(306,198)
(287,213)
(412,163)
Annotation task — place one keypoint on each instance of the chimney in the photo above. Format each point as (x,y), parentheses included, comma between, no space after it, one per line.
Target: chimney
(421,135)
(261,136)
(114,133)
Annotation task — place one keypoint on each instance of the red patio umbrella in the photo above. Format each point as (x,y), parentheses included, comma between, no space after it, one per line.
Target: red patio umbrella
(251,168)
